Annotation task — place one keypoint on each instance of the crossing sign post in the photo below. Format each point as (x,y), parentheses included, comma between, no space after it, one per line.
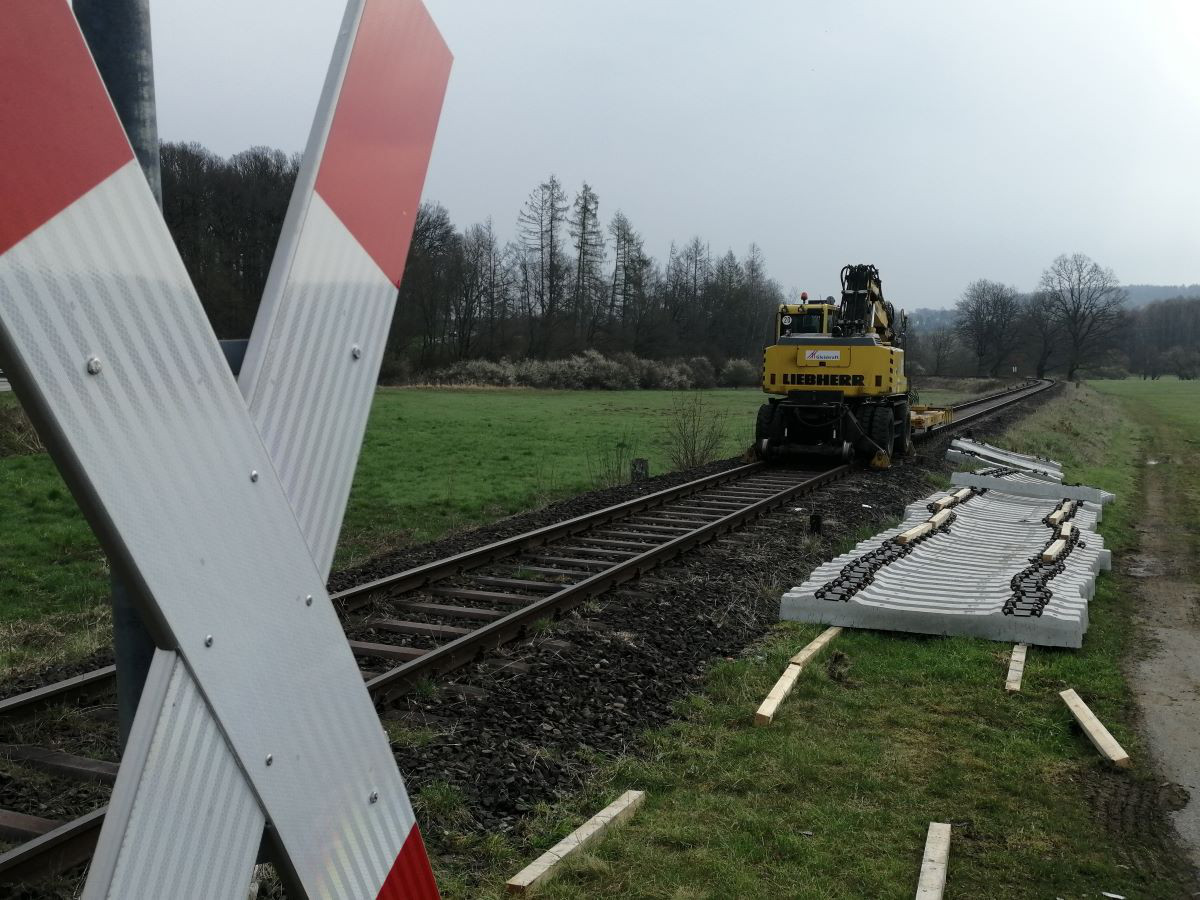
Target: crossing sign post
(254,714)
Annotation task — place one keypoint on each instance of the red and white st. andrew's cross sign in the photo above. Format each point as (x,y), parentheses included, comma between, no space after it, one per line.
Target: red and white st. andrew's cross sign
(222,503)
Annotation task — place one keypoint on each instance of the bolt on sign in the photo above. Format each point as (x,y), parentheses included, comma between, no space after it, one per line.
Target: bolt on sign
(222,502)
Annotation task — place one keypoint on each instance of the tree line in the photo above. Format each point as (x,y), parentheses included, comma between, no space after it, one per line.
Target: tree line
(1077,320)
(571,278)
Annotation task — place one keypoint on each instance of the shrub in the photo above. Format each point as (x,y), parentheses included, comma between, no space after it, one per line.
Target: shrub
(703,373)
(696,431)
(17,435)
(739,373)
(477,371)
(595,370)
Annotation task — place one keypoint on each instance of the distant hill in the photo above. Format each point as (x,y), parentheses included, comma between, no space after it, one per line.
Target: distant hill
(1141,294)
(926,320)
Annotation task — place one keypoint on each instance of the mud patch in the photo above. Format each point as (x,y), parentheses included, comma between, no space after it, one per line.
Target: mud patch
(1136,814)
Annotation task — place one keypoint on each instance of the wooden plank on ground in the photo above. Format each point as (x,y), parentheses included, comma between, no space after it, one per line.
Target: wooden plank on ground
(1054,551)
(816,646)
(963,494)
(1065,531)
(1100,737)
(1016,668)
(932,882)
(783,687)
(543,868)
(943,502)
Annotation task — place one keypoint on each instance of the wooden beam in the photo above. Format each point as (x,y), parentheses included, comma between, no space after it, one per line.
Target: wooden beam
(783,687)
(15,826)
(1016,668)
(60,763)
(913,533)
(939,519)
(385,651)
(943,502)
(1065,531)
(451,612)
(816,646)
(935,862)
(962,495)
(1054,551)
(1100,737)
(543,868)
(424,629)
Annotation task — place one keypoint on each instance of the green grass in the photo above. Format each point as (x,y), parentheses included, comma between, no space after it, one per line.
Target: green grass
(433,461)
(1169,410)
(883,734)
(437,460)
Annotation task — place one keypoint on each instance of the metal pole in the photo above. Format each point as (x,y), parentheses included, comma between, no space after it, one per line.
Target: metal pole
(118,34)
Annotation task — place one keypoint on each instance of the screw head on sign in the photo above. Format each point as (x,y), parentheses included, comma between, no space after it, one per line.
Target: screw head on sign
(374,796)
(208,640)
(254,475)
(94,365)
(308,600)
(356,351)
(270,758)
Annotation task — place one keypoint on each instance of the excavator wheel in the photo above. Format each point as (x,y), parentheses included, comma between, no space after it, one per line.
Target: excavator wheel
(904,444)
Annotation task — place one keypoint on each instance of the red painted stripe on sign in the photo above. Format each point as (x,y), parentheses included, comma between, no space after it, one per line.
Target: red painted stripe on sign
(382,134)
(59,133)
(411,877)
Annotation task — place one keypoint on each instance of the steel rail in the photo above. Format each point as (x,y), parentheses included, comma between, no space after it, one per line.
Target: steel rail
(469,647)
(419,576)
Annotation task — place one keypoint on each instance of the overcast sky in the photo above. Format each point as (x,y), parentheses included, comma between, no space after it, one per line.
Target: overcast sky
(941,141)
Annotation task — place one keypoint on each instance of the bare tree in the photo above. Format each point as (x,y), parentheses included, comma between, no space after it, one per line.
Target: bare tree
(541,224)
(588,241)
(1087,302)
(988,314)
(1043,334)
(941,347)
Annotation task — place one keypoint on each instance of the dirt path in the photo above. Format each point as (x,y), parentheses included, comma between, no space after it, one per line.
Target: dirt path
(1167,679)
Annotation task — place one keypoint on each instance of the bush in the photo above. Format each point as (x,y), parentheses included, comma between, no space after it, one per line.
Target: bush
(589,370)
(17,435)
(394,369)
(477,371)
(596,371)
(739,373)
(703,373)
(696,430)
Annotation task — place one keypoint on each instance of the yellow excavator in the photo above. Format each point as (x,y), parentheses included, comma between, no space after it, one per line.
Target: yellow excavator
(836,377)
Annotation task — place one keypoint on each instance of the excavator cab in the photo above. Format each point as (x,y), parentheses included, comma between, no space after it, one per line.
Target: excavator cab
(803,319)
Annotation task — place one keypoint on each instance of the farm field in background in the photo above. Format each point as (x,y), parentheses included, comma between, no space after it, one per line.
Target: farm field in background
(435,460)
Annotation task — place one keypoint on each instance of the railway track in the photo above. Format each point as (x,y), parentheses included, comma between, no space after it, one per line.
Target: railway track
(418,624)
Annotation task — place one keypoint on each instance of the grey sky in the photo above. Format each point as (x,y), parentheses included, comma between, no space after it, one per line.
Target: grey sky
(942,141)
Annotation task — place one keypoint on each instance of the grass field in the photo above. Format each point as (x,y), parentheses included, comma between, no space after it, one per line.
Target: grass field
(433,461)
(834,799)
